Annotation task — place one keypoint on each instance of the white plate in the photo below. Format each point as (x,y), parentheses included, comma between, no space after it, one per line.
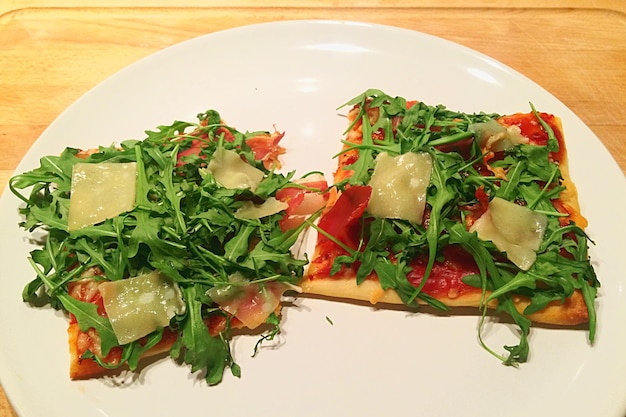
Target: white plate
(368,362)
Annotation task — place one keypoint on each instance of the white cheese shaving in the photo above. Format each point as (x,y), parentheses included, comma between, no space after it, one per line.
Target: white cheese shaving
(250,210)
(514,229)
(250,302)
(233,172)
(492,136)
(101,191)
(399,185)
(138,306)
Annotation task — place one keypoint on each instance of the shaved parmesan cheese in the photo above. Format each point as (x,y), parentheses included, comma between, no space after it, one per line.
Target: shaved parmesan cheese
(138,306)
(233,172)
(514,229)
(399,186)
(249,210)
(101,191)
(492,136)
(251,302)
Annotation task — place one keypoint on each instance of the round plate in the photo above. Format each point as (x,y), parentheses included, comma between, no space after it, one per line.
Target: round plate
(331,358)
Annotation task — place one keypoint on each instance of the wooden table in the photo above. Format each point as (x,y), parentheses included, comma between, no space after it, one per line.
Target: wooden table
(51,52)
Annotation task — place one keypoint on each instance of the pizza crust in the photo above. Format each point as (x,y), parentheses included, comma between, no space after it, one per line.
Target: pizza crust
(571,312)
(88,368)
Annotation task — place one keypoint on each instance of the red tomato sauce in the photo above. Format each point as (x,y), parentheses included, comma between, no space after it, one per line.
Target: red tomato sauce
(531,128)
(446,276)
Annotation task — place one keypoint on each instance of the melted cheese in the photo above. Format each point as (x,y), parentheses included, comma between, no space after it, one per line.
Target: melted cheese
(138,306)
(101,191)
(399,186)
(249,210)
(514,229)
(233,172)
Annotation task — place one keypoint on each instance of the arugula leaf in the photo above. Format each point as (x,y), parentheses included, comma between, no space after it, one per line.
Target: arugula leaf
(138,348)
(196,346)
(441,194)
(87,316)
(274,321)
(489,271)
(365,162)
(553,143)
(238,246)
(388,273)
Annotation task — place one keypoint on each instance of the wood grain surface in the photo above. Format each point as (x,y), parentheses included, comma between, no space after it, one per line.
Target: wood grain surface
(51,53)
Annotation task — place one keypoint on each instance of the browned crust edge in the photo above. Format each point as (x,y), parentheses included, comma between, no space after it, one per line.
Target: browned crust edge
(88,368)
(569,313)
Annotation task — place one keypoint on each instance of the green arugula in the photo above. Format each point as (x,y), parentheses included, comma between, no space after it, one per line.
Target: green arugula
(183,224)
(459,171)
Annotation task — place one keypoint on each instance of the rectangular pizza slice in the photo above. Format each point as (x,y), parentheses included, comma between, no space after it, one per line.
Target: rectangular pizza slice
(167,244)
(437,207)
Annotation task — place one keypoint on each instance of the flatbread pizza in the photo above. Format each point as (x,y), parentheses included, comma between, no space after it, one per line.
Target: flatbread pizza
(437,207)
(169,244)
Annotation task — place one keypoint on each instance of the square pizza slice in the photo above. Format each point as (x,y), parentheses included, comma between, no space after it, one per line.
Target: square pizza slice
(444,208)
